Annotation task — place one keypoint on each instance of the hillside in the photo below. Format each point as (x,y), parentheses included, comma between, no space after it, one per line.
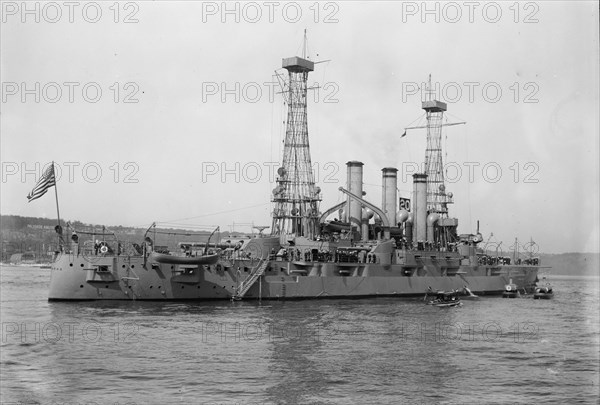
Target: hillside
(29,234)
(580,264)
(37,235)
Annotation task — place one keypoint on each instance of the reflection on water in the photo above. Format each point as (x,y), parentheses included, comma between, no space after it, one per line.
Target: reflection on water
(325,351)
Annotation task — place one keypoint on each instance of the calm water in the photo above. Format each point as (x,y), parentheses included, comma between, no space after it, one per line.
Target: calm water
(327,351)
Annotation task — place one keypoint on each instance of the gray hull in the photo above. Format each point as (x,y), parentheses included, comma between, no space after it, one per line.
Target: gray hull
(77,277)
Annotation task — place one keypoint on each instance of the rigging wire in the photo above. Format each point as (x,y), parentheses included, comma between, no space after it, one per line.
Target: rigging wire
(468,182)
(188,226)
(419,119)
(219,212)
(419,122)
(446,149)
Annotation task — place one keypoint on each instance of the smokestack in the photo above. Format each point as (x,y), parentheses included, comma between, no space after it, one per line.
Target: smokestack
(390,195)
(420,207)
(355,186)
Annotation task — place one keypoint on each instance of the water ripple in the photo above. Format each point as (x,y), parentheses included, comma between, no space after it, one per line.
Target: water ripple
(371,351)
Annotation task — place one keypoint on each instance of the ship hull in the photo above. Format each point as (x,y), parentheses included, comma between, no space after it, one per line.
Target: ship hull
(77,277)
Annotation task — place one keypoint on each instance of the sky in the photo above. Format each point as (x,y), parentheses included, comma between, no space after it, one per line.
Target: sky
(170,111)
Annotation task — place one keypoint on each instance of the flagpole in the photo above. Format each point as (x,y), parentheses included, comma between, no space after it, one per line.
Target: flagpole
(60,239)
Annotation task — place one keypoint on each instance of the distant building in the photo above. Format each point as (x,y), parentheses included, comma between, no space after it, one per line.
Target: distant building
(23,258)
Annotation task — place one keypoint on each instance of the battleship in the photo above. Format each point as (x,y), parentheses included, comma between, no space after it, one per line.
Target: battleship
(400,247)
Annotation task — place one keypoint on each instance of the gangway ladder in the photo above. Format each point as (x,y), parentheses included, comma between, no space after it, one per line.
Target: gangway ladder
(245,285)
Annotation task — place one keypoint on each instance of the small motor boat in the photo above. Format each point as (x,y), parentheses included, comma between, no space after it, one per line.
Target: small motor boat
(445,299)
(543,293)
(510,291)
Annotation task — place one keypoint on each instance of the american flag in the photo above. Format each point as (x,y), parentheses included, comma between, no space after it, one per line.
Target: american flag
(44,183)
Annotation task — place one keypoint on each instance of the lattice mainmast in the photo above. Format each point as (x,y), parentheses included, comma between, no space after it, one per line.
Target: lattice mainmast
(437,200)
(296,197)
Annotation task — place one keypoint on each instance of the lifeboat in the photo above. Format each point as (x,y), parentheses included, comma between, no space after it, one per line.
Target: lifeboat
(445,299)
(543,293)
(173,259)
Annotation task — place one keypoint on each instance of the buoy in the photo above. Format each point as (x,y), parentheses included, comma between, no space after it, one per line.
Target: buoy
(104,249)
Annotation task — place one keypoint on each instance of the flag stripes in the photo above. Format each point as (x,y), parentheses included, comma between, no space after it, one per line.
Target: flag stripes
(44,183)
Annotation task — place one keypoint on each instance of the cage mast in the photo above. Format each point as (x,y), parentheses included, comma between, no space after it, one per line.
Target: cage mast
(296,198)
(437,199)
